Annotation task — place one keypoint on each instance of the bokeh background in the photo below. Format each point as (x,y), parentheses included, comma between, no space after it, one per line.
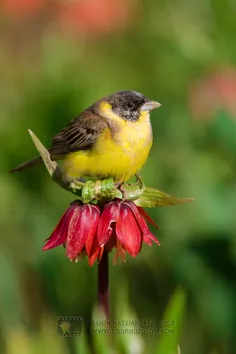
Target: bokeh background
(56,58)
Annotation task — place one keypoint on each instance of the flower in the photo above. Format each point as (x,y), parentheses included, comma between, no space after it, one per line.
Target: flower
(88,229)
(122,226)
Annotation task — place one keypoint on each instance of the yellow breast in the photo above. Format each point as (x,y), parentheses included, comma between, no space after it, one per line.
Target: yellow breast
(119,155)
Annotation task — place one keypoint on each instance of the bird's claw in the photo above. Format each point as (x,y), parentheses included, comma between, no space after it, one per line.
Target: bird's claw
(140,181)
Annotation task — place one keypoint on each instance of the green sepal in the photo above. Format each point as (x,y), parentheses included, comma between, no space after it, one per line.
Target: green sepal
(151,198)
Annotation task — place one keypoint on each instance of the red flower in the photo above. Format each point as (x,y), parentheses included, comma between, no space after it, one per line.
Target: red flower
(88,229)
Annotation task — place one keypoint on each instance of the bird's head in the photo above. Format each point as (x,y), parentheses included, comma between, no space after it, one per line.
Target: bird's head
(128,105)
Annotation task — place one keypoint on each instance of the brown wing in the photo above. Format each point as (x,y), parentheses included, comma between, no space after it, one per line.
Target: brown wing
(80,134)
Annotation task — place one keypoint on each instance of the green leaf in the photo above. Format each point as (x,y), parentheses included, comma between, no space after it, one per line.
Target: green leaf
(51,166)
(172,323)
(82,344)
(154,198)
(100,333)
(124,311)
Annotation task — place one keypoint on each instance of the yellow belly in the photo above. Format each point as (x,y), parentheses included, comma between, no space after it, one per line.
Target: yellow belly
(120,156)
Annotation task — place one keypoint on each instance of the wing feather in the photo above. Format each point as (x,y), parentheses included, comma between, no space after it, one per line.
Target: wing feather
(80,134)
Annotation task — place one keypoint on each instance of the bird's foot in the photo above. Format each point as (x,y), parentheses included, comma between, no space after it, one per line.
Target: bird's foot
(128,191)
(139,181)
(124,191)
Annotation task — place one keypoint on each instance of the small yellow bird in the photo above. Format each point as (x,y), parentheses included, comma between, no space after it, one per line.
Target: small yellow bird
(111,138)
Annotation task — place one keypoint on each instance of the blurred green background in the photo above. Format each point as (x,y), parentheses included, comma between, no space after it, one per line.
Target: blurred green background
(56,58)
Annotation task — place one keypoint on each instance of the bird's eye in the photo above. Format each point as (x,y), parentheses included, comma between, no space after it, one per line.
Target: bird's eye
(130,105)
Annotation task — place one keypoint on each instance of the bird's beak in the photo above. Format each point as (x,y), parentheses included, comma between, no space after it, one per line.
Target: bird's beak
(150,105)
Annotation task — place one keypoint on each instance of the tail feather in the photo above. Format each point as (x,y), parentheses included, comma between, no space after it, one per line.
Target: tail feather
(31,163)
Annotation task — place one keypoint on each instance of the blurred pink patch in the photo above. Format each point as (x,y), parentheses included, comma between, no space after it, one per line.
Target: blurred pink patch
(213,93)
(96,16)
(21,8)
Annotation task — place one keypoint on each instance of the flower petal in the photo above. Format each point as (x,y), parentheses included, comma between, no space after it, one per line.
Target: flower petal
(142,224)
(59,234)
(120,253)
(109,216)
(127,230)
(147,240)
(147,217)
(112,242)
(153,238)
(78,231)
(94,256)
(91,244)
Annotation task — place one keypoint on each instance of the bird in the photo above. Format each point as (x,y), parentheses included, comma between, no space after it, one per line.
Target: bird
(111,138)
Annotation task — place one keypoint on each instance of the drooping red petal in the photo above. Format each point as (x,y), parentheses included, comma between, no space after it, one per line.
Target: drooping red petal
(91,244)
(78,231)
(147,240)
(100,253)
(59,234)
(94,256)
(95,214)
(153,238)
(142,224)
(109,216)
(127,230)
(111,242)
(120,253)
(147,217)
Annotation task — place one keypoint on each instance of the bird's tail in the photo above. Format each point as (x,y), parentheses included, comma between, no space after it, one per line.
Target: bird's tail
(31,163)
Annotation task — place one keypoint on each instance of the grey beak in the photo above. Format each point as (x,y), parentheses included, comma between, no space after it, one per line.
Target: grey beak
(150,105)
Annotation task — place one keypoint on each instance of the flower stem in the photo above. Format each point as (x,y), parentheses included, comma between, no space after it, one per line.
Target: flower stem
(103,284)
